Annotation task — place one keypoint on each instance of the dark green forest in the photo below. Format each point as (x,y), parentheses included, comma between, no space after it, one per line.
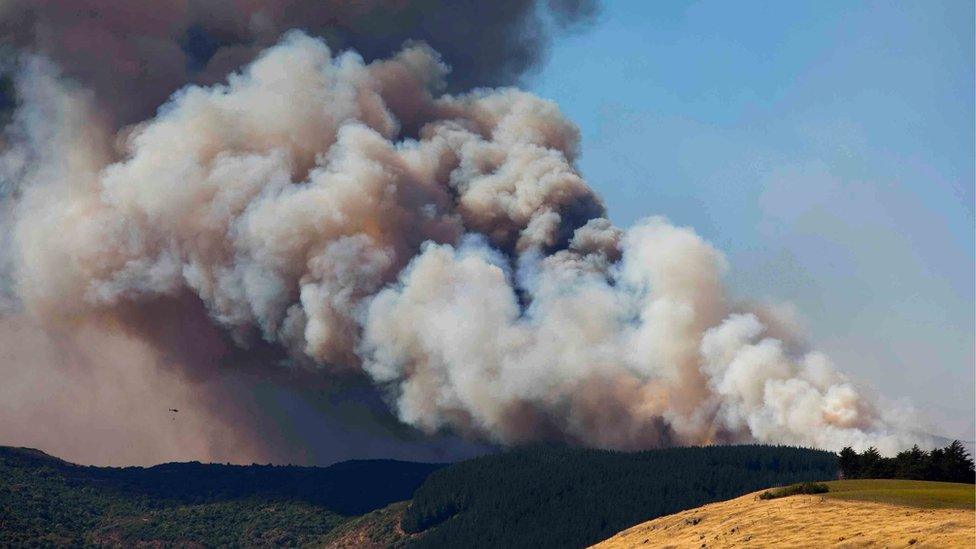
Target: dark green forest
(950,464)
(45,501)
(562,497)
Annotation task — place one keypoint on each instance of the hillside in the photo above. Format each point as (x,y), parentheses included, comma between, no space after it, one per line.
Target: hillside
(859,513)
(562,497)
(52,502)
(530,497)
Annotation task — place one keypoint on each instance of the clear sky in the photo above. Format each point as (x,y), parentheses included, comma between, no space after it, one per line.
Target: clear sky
(825,147)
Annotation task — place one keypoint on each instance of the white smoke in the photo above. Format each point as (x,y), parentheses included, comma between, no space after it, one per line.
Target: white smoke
(444,246)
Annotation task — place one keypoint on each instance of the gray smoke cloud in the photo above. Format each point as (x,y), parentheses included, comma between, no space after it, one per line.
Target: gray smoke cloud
(341,220)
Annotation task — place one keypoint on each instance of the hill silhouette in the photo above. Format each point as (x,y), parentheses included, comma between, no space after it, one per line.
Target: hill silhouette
(347,488)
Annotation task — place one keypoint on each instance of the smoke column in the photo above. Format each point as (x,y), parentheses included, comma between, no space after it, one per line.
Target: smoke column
(318,220)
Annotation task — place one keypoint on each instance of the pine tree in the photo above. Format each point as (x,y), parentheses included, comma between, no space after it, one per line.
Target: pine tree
(957,465)
(911,464)
(849,463)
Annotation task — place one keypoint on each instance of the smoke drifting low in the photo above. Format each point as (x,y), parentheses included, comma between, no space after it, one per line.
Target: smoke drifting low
(345,220)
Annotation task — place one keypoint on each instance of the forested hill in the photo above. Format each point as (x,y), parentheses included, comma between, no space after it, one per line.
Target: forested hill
(530,497)
(52,502)
(347,488)
(561,497)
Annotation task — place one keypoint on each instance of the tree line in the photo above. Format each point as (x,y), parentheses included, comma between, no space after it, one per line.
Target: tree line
(950,464)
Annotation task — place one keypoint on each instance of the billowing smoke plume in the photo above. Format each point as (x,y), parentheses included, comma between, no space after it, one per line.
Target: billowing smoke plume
(115,63)
(361,224)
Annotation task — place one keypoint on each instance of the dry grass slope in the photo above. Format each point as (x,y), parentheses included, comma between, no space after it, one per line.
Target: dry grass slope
(820,521)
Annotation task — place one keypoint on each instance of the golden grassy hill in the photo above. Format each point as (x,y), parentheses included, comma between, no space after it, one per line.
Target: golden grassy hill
(855,513)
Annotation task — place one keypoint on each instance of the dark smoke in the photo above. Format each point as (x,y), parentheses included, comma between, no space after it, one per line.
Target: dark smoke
(134,54)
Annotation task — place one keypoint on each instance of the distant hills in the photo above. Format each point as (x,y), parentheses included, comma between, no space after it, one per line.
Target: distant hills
(47,500)
(530,497)
(348,488)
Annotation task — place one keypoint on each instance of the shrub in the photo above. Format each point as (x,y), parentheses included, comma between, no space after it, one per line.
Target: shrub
(795,490)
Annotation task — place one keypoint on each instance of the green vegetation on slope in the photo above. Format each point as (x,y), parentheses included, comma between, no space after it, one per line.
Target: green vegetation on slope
(795,490)
(914,493)
(250,523)
(45,501)
(380,528)
(559,497)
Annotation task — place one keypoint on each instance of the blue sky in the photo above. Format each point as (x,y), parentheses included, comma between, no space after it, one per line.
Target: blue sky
(825,147)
